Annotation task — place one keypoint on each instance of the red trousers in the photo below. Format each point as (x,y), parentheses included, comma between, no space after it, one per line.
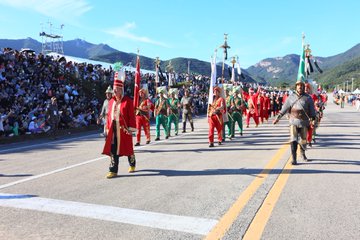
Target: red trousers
(309,134)
(215,123)
(254,116)
(264,114)
(142,121)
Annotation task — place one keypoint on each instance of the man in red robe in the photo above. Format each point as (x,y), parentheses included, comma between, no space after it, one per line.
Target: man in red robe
(120,125)
(143,117)
(311,130)
(252,101)
(215,117)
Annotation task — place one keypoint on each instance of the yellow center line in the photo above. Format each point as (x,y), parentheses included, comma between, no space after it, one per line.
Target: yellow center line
(260,220)
(230,216)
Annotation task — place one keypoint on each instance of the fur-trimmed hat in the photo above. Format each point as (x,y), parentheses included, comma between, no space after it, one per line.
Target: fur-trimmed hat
(119,78)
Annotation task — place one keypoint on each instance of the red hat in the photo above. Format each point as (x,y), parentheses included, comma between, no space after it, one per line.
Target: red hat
(251,90)
(117,81)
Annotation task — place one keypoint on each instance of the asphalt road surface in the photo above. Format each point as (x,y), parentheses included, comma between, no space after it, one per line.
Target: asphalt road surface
(182,189)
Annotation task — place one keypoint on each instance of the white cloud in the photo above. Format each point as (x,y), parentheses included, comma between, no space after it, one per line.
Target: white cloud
(125,32)
(59,9)
(287,40)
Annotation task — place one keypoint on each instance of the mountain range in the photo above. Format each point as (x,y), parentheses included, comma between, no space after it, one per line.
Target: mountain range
(273,71)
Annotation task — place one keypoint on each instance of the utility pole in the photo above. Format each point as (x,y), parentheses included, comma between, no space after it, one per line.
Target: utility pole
(352,84)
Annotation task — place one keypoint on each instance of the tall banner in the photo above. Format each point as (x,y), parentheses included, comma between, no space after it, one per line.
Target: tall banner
(157,74)
(233,74)
(137,83)
(301,71)
(212,79)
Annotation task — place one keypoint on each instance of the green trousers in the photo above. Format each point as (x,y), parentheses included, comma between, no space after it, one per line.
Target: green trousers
(161,119)
(228,125)
(173,118)
(237,118)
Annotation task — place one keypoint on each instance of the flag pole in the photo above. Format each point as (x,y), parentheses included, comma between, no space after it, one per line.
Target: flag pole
(137,81)
(157,63)
(233,61)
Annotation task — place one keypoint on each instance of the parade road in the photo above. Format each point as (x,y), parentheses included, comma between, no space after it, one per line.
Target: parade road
(182,189)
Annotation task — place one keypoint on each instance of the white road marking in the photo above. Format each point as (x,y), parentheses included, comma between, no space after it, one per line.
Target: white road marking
(68,167)
(51,172)
(186,224)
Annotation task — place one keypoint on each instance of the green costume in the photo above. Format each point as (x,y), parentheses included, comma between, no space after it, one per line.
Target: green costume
(237,105)
(174,115)
(161,107)
(228,124)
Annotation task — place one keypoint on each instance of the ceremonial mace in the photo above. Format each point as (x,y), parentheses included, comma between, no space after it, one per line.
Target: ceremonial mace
(225,46)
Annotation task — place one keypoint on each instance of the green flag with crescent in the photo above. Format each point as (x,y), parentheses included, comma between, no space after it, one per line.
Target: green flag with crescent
(301,72)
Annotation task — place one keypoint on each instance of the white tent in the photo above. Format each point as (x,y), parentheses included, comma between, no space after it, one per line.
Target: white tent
(357,91)
(341,91)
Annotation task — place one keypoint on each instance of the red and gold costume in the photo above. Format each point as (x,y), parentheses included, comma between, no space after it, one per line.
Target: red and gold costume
(143,120)
(252,101)
(266,108)
(120,116)
(215,117)
(119,127)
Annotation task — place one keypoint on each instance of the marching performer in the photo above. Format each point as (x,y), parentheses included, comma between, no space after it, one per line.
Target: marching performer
(228,99)
(267,107)
(119,128)
(173,110)
(215,116)
(252,100)
(261,104)
(143,117)
(104,109)
(187,109)
(237,106)
(161,110)
(301,108)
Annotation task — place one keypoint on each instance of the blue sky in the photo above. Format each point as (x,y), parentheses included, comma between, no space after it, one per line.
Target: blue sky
(192,28)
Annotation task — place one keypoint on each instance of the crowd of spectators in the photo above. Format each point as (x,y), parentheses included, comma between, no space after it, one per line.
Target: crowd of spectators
(28,81)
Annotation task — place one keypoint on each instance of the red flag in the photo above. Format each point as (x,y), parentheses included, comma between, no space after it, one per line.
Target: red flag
(137,83)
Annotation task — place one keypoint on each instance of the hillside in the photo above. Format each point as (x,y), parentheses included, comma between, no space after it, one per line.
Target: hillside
(284,69)
(21,43)
(75,48)
(274,71)
(340,74)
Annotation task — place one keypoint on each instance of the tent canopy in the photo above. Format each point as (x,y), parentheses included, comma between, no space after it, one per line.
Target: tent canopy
(357,91)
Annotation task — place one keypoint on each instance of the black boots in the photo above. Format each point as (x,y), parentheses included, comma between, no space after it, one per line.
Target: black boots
(302,154)
(293,146)
(184,127)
